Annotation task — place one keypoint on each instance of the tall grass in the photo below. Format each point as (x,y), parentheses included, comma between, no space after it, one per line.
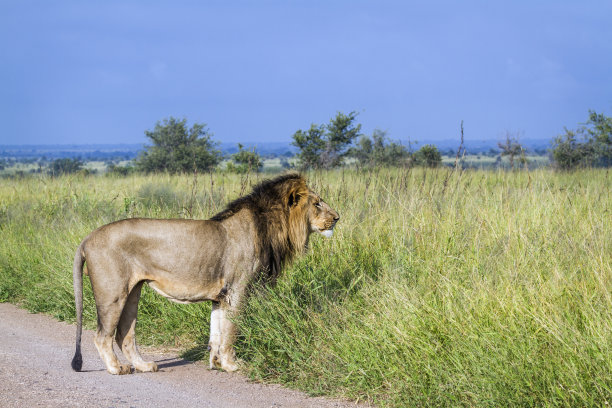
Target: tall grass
(439,288)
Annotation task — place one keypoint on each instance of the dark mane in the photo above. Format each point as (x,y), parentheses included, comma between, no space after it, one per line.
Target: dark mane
(266,192)
(280,225)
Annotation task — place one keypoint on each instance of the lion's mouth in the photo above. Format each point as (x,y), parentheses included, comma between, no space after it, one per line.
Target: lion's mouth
(327,233)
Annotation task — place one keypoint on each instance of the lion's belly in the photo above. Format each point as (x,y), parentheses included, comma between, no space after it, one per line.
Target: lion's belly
(179,293)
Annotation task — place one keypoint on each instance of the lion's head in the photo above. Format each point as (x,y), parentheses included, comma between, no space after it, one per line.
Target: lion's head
(286,213)
(324,219)
(321,217)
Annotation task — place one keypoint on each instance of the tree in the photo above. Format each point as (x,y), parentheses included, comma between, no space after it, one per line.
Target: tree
(364,151)
(378,150)
(589,145)
(245,161)
(311,144)
(341,132)
(325,146)
(511,148)
(599,130)
(65,166)
(428,156)
(568,153)
(177,149)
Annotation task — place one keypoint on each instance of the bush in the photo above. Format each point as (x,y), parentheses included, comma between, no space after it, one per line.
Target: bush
(176,149)
(116,170)
(325,146)
(428,156)
(569,153)
(65,166)
(379,151)
(588,146)
(245,161)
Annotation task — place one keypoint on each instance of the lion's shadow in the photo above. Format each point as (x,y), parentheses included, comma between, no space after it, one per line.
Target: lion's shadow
(196,353)
(173,362)
(161,364)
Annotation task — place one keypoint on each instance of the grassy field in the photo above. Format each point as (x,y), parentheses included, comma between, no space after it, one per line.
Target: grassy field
(439,288)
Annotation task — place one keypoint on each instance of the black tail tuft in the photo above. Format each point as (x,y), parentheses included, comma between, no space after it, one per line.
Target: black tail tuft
(77,360)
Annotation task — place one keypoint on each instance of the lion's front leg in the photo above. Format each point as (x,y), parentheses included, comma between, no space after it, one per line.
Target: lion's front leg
(222,337)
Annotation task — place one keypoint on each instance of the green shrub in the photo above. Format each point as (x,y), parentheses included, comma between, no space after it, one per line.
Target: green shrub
(428,156)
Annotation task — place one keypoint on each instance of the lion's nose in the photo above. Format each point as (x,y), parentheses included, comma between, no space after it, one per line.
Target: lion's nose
(336,218)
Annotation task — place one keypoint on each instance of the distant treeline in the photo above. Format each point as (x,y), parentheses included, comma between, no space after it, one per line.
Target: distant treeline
(32,153)
(176,148)
(84,152)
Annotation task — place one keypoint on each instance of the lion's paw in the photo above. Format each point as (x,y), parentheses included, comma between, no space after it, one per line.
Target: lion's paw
(230,366)
(147,367)
(226,364)
(121,369)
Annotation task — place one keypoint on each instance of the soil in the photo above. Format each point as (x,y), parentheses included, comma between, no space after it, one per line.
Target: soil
(35,355)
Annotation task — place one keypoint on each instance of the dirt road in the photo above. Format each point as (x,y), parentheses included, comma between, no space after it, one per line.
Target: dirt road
(35,354)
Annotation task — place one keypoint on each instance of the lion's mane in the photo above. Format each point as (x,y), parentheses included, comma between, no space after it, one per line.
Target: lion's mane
(280,209)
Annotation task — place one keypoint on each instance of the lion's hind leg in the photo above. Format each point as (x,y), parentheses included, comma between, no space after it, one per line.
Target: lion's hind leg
(108,317)
(126,338)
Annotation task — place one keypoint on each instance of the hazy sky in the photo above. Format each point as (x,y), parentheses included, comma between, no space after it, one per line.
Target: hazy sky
(105,71)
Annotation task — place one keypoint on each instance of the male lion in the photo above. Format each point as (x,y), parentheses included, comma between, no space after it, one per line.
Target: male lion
(194,260)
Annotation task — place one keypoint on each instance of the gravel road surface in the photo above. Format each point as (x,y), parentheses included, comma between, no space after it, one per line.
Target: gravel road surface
(35,355)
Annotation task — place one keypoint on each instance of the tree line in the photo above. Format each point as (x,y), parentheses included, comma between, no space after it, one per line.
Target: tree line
(177,148)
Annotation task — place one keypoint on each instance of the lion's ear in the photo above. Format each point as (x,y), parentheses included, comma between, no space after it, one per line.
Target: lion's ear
(294,198)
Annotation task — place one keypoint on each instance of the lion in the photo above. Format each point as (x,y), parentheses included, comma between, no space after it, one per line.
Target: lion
(189,261)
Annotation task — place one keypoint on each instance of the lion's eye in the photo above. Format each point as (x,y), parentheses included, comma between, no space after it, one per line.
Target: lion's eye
(318,205)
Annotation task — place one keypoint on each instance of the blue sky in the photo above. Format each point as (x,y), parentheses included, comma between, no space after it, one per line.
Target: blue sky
(106,71)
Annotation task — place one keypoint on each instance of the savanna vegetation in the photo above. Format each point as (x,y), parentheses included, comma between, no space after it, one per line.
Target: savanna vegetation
(176,148)
(590,145)
(440,287)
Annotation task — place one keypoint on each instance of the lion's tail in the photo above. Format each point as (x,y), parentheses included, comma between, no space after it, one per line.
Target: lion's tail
(77,279)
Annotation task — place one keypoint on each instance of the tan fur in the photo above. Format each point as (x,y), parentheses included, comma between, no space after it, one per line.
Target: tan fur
(195,260)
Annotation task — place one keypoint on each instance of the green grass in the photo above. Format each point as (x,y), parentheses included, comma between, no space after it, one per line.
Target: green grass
(476,288)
